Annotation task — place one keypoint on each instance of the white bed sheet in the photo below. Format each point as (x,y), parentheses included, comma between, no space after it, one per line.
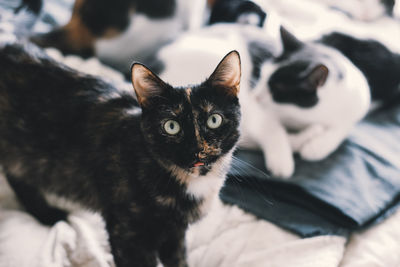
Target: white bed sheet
(226,237)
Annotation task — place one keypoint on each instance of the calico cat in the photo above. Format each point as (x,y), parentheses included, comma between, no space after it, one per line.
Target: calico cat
(95,19)
(123,31)
(149,166)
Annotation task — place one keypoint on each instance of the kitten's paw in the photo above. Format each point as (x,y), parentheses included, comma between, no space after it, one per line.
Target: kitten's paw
(297,140)
(280,165)
(315,150)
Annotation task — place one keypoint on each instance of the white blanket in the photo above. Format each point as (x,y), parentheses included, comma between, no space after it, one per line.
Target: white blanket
(226,237)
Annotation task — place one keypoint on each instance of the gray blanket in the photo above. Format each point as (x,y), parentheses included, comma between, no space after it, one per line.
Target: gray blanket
(354,187)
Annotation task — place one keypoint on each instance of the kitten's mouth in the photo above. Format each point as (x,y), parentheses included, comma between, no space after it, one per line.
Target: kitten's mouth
(201,165)
(198,164)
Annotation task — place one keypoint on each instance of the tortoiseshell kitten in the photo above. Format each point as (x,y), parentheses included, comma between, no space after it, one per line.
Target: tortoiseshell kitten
(148,166)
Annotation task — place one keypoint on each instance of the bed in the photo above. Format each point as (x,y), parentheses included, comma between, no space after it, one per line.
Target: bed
(228,235)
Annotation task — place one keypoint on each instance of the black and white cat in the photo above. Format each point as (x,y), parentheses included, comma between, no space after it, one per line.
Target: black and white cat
(149,166)
(317,94)
(303,100)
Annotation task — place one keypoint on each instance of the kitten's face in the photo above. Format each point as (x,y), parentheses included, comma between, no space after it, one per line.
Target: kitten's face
(299,74)
(191,128)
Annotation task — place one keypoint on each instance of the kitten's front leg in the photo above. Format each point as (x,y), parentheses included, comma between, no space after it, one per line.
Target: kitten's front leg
(322,145)
(173,251)
(266,130)
(127,246)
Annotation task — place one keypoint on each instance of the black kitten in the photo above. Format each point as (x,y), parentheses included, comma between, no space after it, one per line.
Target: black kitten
(149,171)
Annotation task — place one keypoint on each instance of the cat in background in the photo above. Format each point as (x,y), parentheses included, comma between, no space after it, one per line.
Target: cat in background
(149,166)
(317,93)
(99,19)
(123,31)
(320,89)
(117,35)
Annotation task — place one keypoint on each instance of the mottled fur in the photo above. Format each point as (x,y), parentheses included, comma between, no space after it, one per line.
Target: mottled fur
(75,136)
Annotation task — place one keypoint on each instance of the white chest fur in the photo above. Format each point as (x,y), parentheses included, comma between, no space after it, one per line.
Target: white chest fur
(206,187)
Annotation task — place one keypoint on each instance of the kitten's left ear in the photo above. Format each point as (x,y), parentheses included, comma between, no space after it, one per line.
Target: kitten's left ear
(226,75)
(147,85)
(289,41)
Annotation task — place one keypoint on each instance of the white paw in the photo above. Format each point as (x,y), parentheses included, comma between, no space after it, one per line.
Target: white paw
(280,164)
(316,150)
(297,140)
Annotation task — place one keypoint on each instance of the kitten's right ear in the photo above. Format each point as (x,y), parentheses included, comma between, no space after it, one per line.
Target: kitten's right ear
(146,84)
(289,41)
(226,75)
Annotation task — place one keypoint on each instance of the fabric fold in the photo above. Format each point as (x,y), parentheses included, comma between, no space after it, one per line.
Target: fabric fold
(355,186)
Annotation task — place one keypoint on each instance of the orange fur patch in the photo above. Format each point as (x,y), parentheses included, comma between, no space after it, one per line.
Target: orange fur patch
(78,34)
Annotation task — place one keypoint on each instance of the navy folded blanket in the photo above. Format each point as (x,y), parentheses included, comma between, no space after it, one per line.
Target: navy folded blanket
(350,190)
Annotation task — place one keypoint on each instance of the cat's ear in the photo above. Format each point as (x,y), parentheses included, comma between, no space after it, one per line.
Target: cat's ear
(147,85)
(226,75)
(317,77)
(289,41)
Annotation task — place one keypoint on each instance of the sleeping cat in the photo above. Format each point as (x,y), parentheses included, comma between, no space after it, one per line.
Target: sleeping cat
(150,166)
(317,94)
(320,89)
(303,100)
(92,20)
(121,31)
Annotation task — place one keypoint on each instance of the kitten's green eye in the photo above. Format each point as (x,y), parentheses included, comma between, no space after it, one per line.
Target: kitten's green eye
(172,127)
(214,121)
